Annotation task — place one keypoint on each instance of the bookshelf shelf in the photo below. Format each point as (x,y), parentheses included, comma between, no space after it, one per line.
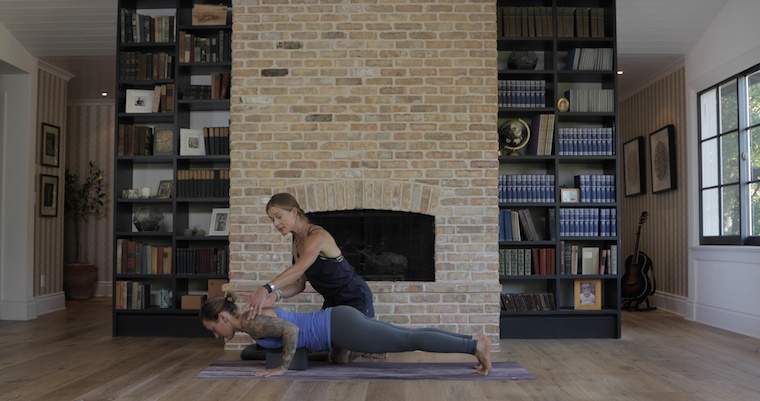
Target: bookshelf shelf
(540,172)
(170,250)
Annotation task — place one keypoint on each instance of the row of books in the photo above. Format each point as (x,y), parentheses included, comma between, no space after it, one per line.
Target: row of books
(140,28)
(527,302)
(139,140)
(596,188)
(590,59)
(132,295)
(522,93)
(526,262)
(214,48)
(146,66)
(577,259)
(590,222)
(586,141)
(514,225)
(591,100)
(202,261)
(217,140)
(219,88)
(526,188)
(134,257)
(525,22)
(203,183)
(581,22)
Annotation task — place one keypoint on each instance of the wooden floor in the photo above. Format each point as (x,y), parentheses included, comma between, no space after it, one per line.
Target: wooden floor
(71,355)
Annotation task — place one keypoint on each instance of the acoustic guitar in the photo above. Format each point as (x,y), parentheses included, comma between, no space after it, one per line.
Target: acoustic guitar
(638,282)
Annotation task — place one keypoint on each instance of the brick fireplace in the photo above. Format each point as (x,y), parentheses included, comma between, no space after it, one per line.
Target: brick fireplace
(371,105)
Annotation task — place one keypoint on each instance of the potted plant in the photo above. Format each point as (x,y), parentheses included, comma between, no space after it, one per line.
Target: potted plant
(85,197)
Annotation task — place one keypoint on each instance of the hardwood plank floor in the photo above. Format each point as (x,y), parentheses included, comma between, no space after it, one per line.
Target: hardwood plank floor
(70,355)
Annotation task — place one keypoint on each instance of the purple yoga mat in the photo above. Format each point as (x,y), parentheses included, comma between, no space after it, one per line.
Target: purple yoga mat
(321,371)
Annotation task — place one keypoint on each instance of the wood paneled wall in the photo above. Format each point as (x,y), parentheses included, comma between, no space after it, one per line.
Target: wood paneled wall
(664,237)
(91,128)
(48,231)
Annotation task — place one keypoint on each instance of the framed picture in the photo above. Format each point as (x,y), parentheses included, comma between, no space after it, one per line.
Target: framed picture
(633,166)
(48,195)
(51,145)
(191,142)
(588,294)
(139,101)
(219,222)
(165,189)
(163,142)
(662,159)
(570,195)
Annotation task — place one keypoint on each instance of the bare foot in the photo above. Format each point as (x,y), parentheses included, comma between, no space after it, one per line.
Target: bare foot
(340,356)
(483,353)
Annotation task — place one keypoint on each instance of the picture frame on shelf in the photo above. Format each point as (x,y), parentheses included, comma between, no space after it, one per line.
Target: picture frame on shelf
(570,195)
(138,101)
(220,221)
(50,145)
(48,195)
(165,188)
(191,142)
(633,167)
(163,142)
(662,159)
(587,294)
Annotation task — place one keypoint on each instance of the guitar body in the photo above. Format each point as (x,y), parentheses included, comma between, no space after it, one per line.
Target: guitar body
(636,283)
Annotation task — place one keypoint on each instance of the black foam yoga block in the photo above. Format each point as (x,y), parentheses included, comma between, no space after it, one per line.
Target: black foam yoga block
(300,359)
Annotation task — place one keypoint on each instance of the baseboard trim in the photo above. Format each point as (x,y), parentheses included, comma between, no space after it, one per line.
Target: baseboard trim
(104,289)
(677,304)
(727,319)
(49,303)
(18,310)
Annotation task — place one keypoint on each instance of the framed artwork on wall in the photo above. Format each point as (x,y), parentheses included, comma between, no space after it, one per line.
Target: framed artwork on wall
(633,167)
(662,159)
(48,195)
(50,145)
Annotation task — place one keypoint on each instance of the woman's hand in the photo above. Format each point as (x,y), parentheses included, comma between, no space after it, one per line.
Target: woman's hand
(256,302)
(271,372)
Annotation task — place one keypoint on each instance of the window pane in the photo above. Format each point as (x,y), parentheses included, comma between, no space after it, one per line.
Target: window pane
(753,92)
(731,212)
(729,158)
(729,109)
(710,163)
(710,213)
(754,154)
(754,209)
(708,113)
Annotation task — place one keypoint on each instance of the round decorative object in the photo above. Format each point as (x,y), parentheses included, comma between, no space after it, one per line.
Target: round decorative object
(563,104)
(79,280)
(514,134)
(522,60)
(147,219)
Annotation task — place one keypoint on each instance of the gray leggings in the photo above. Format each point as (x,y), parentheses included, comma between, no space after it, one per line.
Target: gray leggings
(351,330)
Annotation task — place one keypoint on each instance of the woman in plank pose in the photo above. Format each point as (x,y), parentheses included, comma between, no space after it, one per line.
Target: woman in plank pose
(340,327)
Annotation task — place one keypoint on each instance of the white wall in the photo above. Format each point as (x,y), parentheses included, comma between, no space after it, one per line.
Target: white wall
(722,280)
(18,85)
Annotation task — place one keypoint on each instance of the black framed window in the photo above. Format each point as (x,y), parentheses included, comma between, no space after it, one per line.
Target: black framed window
(729,161)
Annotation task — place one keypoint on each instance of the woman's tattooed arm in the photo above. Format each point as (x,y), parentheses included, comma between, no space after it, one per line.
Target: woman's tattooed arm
(266,326)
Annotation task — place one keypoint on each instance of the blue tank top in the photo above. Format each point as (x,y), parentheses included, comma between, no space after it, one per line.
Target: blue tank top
(313,330)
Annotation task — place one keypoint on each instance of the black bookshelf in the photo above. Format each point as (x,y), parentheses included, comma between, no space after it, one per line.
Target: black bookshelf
(562,320)
(131,171)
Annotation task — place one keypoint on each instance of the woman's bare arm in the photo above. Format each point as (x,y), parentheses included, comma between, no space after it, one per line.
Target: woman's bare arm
(266,326)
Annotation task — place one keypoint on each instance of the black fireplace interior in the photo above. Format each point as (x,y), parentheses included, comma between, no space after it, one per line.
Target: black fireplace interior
(383,245)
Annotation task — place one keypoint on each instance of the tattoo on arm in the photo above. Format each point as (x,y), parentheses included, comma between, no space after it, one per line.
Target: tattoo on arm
(267,326)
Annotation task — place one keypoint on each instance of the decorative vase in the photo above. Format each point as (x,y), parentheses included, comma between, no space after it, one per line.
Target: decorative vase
(80,280)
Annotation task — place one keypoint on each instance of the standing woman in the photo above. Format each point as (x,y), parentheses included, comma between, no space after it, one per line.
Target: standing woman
(317,259)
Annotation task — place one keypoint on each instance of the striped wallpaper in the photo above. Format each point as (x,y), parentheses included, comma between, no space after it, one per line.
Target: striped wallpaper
(48,231)
(91,133)
(664,237)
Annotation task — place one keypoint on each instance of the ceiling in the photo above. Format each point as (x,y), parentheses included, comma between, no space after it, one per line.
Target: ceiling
(653,35)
